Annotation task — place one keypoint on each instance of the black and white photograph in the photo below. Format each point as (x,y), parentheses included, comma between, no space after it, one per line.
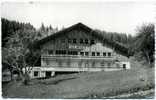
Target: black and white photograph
(77,50)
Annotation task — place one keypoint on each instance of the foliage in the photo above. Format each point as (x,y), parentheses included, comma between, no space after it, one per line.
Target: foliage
(9,27)
(144,42)
(19,50)
(120,38)
(44,31)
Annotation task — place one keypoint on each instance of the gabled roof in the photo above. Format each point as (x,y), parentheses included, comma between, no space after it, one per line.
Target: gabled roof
(64,31)
(116,46)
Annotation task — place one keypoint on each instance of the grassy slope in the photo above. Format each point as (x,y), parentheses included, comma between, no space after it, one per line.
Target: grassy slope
(84,85)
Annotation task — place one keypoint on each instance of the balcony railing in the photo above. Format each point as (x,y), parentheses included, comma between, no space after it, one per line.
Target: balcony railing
(78,57)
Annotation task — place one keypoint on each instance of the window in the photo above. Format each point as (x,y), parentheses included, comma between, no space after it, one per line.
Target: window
(109,54)
(93,53)
(69,40)
(60,52)
(50,52)
(69,53)
(98,53)
(74,53)
(124,66)
(86,41)
(35,73)
(57,52)
(63,51)
(74,40)
(104,53)
(86,53)
(82,53)
(48,73)
(81,41)
(92,42)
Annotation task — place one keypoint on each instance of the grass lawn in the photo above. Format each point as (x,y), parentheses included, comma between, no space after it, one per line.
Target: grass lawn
(84,85)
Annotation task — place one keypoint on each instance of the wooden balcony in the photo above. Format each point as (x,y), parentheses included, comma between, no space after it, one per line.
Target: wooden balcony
(77,57)
(72,69)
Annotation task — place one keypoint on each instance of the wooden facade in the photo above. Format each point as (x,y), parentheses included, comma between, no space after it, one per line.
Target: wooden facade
(76,49)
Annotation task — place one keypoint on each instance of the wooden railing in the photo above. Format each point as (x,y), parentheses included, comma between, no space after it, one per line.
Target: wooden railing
(77,56)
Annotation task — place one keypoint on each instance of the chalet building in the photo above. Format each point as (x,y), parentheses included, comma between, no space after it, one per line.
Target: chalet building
(76,49)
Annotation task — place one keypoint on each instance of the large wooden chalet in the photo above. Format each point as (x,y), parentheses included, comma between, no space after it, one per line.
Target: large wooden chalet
(76,49)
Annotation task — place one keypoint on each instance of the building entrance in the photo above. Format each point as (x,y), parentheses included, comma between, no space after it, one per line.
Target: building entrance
(48,73)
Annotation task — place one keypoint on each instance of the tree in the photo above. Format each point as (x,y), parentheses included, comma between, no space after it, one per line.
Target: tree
(45,31)
(144,42)
(9,27)
(50,27)
(43,28)
(18,52)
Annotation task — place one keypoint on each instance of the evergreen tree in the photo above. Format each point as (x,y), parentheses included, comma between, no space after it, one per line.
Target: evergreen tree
(9,27)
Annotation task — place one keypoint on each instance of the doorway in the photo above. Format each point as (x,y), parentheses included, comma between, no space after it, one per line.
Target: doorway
(124,66)
(48,73)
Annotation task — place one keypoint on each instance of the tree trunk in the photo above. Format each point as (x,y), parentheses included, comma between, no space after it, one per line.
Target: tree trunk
(11,74)
(147,57)
(26,78)
(20,75)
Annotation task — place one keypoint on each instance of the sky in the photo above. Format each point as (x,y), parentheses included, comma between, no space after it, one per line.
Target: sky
(122,17)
